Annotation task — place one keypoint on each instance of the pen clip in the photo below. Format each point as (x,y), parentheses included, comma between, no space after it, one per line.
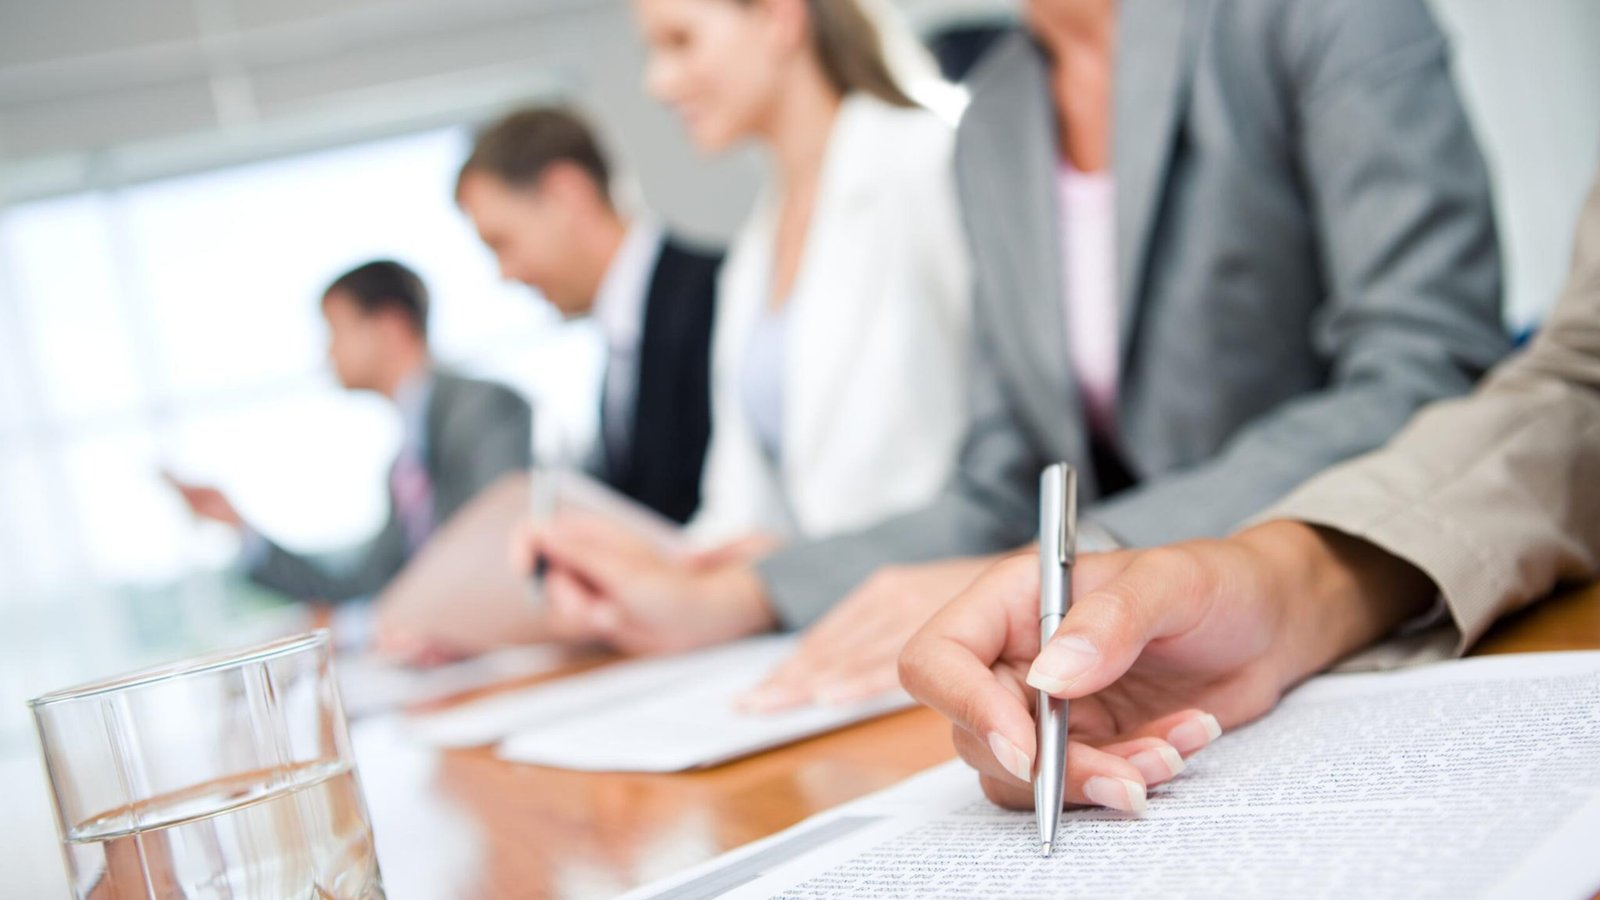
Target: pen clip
(1067,535)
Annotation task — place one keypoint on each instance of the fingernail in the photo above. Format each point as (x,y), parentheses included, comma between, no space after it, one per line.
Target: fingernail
(1061,663)
(751,701)
(1158,764)
(759,699)
(836,695)
(1011,756)
(768,700)
(1115,793)
(1195,733)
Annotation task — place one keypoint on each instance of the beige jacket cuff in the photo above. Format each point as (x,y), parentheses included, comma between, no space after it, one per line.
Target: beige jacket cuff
(1468,582)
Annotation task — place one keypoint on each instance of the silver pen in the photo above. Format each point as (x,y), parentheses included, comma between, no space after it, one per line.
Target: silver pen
(1058,548)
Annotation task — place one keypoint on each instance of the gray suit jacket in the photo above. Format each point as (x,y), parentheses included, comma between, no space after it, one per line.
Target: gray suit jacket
(1306,255)
(1495,496)
(476,432)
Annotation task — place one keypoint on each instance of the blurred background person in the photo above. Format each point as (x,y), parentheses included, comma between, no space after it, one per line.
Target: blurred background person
(1197,297)
(840,354)
(459,435)
(537,187)
(840,358)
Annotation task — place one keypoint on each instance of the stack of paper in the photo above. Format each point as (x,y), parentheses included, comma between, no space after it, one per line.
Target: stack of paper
(1478,778)
(561,492)
(369,684)
(662,714)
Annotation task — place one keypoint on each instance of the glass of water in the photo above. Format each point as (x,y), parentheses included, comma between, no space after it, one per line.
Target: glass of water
(226,776)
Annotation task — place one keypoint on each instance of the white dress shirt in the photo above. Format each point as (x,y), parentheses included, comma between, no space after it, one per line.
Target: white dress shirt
(762,380)
(619,310)
(411,400)
(410,487)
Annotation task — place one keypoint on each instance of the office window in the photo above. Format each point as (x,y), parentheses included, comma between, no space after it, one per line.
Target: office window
(175,324)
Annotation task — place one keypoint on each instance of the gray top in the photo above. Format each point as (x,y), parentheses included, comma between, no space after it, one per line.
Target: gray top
(1307,255)
(761,380)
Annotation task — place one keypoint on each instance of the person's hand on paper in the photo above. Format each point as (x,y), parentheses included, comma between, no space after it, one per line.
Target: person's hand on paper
(850,653)
(746,549)
(605,584)
(206,502)
(407,646)
(1161,648)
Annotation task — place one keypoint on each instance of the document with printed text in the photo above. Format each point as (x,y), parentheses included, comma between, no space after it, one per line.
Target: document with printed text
(1477,778)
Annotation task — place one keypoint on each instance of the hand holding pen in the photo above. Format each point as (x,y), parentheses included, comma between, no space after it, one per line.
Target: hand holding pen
(1144,678)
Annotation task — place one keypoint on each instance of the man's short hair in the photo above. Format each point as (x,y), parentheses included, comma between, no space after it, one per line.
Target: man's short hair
(521,146)
(384,284)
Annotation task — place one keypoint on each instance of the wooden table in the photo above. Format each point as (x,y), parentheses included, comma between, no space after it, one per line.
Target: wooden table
(530,832)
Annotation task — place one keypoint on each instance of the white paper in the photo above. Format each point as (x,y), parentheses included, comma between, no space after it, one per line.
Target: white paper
(369,684)
(661,714)
(555,492)
(1478,778)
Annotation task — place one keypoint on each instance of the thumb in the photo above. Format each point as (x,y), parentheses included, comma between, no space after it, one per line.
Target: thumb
(1156,594)
(950,665)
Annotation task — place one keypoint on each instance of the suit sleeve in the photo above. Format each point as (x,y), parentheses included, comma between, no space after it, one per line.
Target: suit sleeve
(1496,496)
(1404,218)
(366,568)
(492,436)
(502,441)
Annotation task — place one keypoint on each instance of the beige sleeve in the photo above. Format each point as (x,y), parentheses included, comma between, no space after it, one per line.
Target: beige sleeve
(1496,496)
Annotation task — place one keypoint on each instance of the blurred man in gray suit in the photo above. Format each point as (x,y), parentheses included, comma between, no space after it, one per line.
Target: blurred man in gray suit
(460,435)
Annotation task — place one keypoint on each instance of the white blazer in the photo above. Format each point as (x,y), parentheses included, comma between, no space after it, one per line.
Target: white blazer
(876,356)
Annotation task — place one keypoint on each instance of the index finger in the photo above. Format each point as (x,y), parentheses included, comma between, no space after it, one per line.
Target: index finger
(575,549)
(600,533)
(947,665)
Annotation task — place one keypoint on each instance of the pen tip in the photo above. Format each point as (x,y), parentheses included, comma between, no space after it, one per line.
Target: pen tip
(1045,851)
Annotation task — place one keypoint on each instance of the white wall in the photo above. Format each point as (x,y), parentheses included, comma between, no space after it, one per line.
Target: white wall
(106,91)
(1530,73)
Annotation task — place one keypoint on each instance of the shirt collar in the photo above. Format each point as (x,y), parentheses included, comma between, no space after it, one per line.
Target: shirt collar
(619,303)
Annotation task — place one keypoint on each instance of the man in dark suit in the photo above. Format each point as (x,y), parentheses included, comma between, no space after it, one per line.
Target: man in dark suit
(536,187)
(459,435)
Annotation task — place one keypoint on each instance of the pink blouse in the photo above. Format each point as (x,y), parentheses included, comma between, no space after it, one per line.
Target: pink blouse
(1087,213)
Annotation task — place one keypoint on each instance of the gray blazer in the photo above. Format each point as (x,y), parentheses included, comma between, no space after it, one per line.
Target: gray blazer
(476,432)
(1495,496)
(1307,254)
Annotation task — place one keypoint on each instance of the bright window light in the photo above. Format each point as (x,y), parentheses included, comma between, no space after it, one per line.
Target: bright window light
(176,324)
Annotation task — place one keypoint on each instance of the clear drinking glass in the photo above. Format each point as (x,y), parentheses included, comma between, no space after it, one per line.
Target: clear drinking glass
(227,776)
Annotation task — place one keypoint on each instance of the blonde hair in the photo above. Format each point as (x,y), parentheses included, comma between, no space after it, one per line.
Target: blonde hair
(850,49)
